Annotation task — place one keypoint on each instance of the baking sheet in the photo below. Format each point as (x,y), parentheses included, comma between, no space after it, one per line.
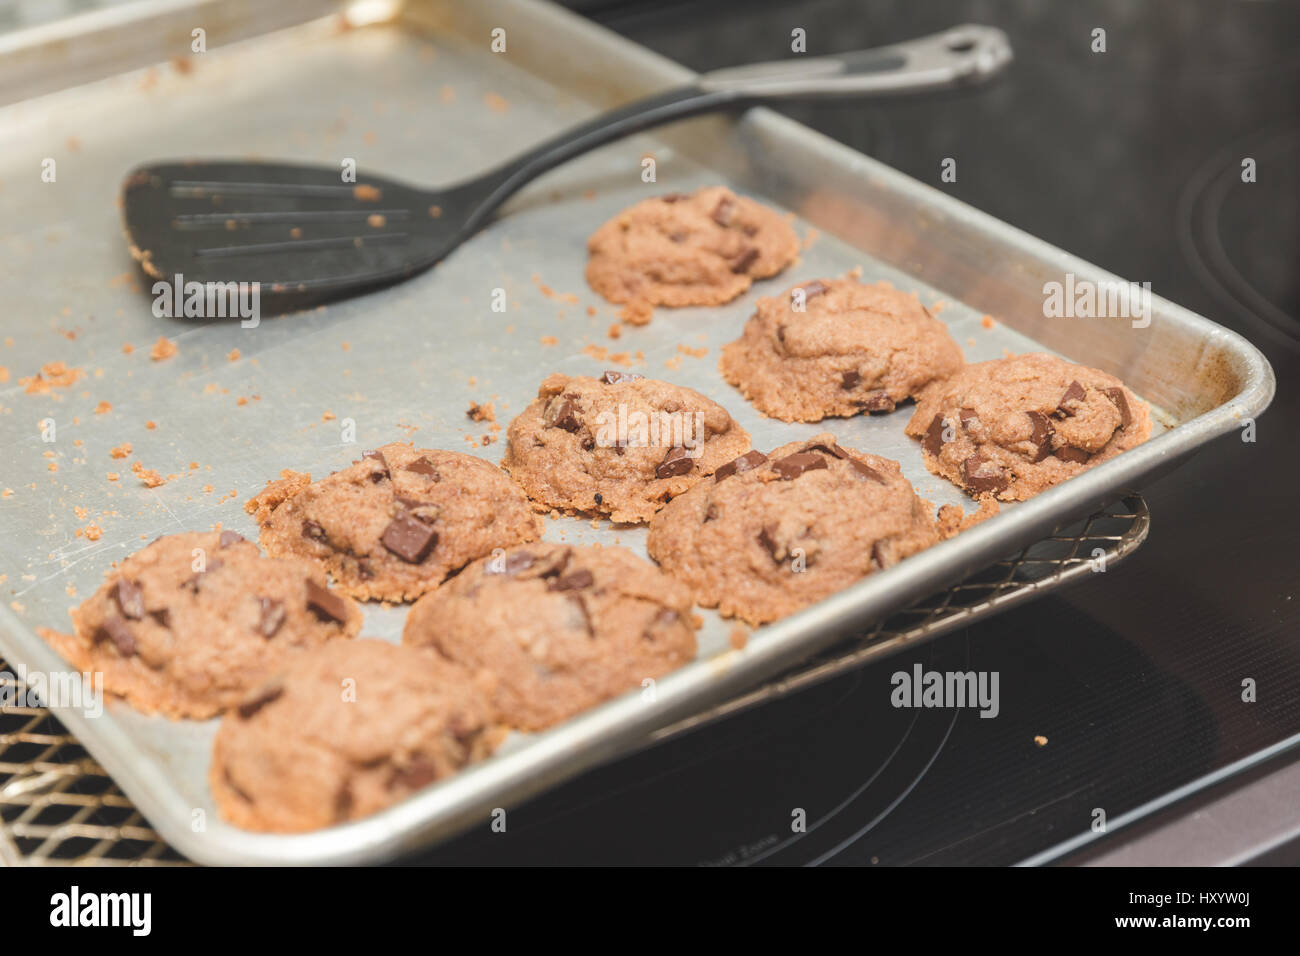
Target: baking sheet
(416,100)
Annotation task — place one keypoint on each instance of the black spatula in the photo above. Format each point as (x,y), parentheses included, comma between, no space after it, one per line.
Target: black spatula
(305,236)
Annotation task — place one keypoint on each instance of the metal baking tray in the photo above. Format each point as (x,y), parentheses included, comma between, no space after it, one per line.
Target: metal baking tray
(422,97)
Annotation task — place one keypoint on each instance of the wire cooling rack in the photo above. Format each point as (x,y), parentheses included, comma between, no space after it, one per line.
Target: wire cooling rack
(58,806)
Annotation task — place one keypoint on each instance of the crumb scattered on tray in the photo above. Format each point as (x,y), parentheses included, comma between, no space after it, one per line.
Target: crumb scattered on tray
(1040,740)
(549,340)
(163,349)
(481,413)
(496,102)
(367,193)
(988,322)
(232,355)
(739,637)
(51,376)
(376,221)
(103,408)
(150,477)
(121,451)
(614,331)
(637,313)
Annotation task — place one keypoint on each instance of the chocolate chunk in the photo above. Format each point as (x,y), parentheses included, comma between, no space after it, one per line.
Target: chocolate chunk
(711,513)
(422,466)
(163,617)
(1041,436)
(573,581)
(677,237)
(1070,453)
(326,605)
(746,462)
(864,470)
(1073,395)
(562,413)
(271,690)
(311,529)
(833,450)
(743,261)
(792,466)
(850,379)
(981,476)
(115,629)
(968,417)
(767,538)
(933,441)
(518,561)
(723,212)
(365,571)
(130,598)
(588,444)
(409,538)
(272,616)
(813,289)
(876,402)
(228,538)
(598,498)
(1117,396)
(673,197)
(612,377)
(677,462)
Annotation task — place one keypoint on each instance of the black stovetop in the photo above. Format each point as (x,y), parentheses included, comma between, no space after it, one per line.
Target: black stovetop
(1130,159)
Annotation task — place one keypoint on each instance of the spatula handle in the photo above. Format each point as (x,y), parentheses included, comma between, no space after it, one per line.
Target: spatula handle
(960,56)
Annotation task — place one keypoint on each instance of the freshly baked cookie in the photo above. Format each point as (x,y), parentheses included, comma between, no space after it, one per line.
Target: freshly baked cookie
(1013,427)
(345,731)
(560,627)
(187,625)
(619,445)
(771,534)
(702,249)
(394,524)
(837,347)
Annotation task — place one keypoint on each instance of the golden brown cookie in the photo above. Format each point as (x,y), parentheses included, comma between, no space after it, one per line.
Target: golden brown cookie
(188,624)
(837,347)
(562,628)
(620,445)
(394,524)
(677,250)
(345,731)
(1013,427)
(771,534)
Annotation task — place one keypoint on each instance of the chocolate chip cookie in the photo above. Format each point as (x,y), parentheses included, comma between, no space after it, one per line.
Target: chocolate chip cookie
(837,347)
(562,628)
(345,731)
(1013,427)
(705,248)
(619,445)
(771,534)
(185,626)
(394,524)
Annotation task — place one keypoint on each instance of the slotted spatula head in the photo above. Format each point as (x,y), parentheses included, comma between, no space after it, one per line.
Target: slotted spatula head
(300,232)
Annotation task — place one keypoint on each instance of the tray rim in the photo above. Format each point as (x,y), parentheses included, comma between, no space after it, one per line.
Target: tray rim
(617,725)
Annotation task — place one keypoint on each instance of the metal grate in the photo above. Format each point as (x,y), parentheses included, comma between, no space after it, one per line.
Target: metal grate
(58,806)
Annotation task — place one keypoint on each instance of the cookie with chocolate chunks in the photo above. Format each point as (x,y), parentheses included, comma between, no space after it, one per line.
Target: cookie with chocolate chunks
(678,250)
(188,625)
(1013,427)
(345,731)
(619,445)
(560,627)
(772,534)
(397,522)
(837,347)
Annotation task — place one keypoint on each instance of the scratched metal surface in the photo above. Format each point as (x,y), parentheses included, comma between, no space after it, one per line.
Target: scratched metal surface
(406,362)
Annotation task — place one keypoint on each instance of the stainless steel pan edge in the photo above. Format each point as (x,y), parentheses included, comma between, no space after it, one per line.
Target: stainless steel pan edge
(601,733)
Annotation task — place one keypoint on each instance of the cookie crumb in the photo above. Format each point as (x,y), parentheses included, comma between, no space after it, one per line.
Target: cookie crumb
(151,425)
(637,313)
(51,376)
(367,193)
(738,638)
(103,408)
(121,451)
(988,322)
(614,331)
(1040,740)
(150,477)
(163,349)
(232,355)
(481,413)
